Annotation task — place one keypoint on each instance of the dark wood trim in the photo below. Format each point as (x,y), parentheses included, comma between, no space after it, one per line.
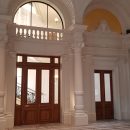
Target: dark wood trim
(50,110)
(104,108)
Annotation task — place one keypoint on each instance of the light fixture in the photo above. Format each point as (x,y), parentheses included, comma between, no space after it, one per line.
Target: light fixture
(56,19)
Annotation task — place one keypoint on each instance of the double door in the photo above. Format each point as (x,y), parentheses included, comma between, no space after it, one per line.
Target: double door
(37,93)
(103,94)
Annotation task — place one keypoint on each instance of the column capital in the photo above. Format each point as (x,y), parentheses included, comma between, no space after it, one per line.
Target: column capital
(77,34)
(78,28)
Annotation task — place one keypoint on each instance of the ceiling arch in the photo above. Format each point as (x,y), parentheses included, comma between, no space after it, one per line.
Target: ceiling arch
(96,16)
(115,7)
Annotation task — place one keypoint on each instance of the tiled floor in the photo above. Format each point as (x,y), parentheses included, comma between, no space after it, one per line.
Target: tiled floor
(102,125)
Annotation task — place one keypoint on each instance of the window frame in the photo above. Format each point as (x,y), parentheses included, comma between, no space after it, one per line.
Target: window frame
(63,26)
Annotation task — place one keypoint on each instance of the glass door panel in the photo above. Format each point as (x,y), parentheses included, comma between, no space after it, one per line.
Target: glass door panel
(107,87)
(45,76)
(103,94)
(97,87)
(56,86)
(31,86)
(18,86)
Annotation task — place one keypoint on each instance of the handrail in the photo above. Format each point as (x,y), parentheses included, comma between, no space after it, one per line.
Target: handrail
(30,92)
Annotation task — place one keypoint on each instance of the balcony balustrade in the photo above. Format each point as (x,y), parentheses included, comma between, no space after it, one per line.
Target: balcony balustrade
(29,32)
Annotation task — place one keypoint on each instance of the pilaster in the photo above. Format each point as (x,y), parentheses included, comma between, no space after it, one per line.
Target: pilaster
(3,42)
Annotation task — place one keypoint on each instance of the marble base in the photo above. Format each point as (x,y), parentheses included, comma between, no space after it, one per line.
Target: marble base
(2,122)
(67,118)
(80,119)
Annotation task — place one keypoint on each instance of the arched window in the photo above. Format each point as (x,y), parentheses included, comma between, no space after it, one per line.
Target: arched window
(38,14)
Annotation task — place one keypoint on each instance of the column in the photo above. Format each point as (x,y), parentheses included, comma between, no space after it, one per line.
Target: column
(3,42)
(79,116)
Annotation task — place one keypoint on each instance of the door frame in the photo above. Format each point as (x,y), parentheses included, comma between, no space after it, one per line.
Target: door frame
(102,93)
(109,63)
(39,66)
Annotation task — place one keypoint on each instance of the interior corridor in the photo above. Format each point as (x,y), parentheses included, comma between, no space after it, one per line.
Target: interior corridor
(100,125)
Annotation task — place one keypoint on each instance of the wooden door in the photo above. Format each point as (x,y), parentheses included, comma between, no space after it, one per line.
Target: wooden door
(103,94)
(37,91)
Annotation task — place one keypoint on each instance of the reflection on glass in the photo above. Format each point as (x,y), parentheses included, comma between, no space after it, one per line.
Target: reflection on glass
(19,85)
(54,21)
(39,14)
(45,86)
(19,58)
(56,84)
(107,87)
(56,60)
(31,86)
(97,87)
(38,59)
(23,15)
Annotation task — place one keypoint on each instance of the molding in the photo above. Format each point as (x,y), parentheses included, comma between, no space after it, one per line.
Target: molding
(79,119)
(1,110)
(78,28)
(2,93)
(79,93)
(105,52)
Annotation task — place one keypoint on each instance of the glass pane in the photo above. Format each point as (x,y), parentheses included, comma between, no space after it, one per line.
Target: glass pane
(19,86)
(19,58)
(23,15)
(97,87)
(38,59)
(56,85)
(31,86)
(45,86)
(107,87)
(54,21)
(39,14)
(56,60)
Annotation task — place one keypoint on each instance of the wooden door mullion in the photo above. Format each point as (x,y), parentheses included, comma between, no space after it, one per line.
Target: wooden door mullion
(52,92)
(103,93)
(38,93)
(24,92)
